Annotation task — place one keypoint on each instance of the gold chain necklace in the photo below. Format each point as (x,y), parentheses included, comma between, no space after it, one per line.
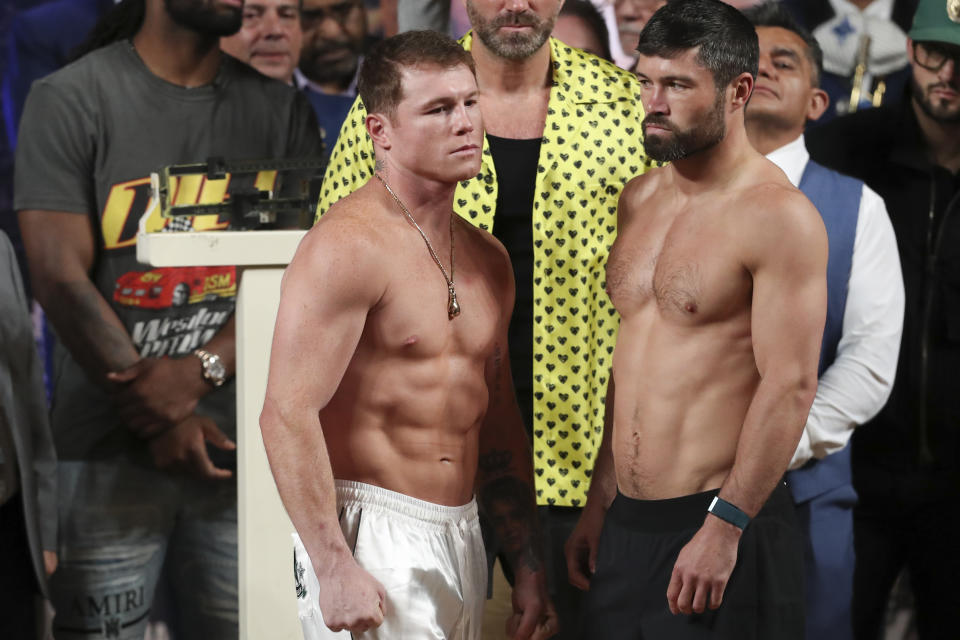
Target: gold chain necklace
(453,307)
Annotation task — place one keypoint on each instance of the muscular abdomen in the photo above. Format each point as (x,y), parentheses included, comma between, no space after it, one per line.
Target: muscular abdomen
(408,424)
(682,392)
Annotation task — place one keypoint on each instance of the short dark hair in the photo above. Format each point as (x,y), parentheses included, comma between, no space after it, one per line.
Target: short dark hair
(585,10)
(726,41)
(379,82)
(773,14)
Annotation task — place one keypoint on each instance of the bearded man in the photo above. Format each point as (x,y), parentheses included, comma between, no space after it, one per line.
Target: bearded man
(143,384)
(719,275)
(906,461)
(334,40)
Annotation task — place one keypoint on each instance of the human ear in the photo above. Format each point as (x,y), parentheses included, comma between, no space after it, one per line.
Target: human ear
(742,88)
(379,129)
(819,101)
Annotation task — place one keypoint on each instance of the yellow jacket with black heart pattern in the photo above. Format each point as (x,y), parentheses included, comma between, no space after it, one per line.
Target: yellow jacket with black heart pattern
(591,146)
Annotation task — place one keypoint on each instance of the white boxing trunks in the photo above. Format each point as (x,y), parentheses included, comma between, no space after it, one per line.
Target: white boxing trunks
(429,559)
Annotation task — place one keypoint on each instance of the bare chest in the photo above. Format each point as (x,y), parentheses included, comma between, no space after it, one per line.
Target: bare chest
(413,318)
(686,267)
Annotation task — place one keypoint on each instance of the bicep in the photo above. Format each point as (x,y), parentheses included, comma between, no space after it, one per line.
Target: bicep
(53,185)
(497,367)
(60,246)
(56,150)
(503,413)
(323,308)
(789,303)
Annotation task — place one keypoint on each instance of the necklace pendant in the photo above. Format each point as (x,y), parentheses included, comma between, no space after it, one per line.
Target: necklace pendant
(453,308)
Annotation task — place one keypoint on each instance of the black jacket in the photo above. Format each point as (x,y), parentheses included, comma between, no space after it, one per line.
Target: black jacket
(918,432)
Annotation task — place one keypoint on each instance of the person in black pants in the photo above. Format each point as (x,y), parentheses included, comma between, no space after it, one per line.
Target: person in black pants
(906,461)
(719,275)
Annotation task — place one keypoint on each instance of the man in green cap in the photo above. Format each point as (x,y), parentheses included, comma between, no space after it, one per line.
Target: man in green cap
(906,461)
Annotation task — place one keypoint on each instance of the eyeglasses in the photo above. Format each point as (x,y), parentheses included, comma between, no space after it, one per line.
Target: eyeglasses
(338,12)
(933,55)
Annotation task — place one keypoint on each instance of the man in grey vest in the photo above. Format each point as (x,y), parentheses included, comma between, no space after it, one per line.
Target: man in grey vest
(865,302)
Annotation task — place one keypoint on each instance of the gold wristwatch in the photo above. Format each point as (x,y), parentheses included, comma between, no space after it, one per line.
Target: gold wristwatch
(213,370)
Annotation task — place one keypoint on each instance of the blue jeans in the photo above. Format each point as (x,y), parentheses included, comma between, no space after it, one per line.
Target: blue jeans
(120,521)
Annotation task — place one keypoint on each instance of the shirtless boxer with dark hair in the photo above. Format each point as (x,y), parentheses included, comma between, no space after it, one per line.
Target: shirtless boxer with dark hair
(718,273)
(390,400)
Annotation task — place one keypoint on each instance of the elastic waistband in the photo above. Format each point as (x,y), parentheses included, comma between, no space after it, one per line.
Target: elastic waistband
(361,494)
(677,514)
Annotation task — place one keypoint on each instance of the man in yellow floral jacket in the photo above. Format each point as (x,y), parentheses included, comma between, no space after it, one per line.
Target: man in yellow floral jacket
(563,137)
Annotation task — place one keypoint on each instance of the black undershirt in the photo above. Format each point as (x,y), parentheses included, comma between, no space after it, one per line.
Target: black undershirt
(516,164)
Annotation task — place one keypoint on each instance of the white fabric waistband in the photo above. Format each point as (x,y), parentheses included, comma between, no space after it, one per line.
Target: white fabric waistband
(361,494)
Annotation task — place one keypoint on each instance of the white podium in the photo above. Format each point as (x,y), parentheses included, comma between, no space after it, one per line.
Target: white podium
(267,597)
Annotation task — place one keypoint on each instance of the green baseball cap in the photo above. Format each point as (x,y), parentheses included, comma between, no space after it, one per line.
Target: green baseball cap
(937,21)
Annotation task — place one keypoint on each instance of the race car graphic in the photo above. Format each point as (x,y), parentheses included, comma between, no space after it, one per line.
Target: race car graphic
(175,287)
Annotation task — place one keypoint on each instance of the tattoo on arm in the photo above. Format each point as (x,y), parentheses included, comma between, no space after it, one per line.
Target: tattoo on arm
(497,374)
(98,342)
(508,502)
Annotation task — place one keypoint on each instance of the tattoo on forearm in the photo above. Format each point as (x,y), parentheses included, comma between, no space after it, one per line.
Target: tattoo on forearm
(497,374)
(94,340)
(508,502)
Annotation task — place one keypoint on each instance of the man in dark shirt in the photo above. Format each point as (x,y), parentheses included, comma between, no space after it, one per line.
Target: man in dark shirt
(906,461)
(42,37)
(142,378)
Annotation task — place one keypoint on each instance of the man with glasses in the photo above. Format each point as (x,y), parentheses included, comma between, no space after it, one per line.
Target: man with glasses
(906,461)
(334,38)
